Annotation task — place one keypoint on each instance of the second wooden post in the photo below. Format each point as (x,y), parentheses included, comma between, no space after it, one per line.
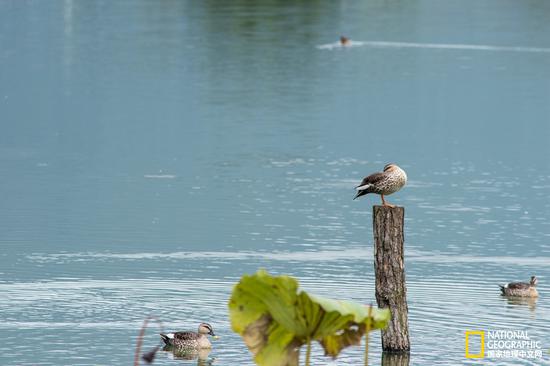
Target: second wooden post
(389,268)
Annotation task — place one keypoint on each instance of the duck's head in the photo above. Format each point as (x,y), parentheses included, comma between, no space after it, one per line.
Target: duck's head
(344,40)
(205,328)
(390,167)
(534,280)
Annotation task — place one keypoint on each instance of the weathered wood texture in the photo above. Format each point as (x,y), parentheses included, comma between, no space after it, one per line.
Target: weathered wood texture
(389,268)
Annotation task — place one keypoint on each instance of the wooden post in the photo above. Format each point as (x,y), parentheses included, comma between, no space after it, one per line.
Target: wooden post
(389,268)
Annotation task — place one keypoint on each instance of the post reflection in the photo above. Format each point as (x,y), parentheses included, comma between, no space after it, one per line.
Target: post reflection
(395,359)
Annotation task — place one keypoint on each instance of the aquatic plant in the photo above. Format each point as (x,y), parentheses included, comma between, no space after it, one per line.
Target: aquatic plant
(275,320)
(148,357)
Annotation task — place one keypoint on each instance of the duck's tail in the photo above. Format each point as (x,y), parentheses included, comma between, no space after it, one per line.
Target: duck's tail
(362,190)
(167,338)
(360,193)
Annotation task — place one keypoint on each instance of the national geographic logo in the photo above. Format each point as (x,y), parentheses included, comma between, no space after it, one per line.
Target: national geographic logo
(506,344)
(478,338)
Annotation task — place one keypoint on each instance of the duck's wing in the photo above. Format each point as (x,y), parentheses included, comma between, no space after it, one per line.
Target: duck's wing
(518,286)
(185,336)
(371,180)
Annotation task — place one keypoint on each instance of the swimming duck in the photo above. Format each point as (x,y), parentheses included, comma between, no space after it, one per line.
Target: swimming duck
(521,289)
(344,41)
(190,340)
(389,181)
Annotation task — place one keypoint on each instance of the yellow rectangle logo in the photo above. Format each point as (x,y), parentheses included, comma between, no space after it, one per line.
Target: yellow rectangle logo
(481,334)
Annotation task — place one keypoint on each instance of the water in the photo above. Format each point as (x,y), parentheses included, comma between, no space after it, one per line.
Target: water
(153,152)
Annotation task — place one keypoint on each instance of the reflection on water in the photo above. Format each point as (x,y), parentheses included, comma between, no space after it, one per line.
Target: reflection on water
(181,354)
(395,359)
(530,302)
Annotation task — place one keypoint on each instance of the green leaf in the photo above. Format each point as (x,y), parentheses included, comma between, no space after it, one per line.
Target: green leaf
(275,319)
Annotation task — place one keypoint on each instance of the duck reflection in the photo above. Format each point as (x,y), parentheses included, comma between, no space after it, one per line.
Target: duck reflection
(395,359)
(530,302)
(201,355)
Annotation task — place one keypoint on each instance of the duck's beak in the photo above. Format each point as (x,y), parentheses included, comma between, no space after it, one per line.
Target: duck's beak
(212,333)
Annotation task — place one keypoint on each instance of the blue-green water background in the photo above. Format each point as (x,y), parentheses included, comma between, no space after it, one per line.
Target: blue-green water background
(151,152)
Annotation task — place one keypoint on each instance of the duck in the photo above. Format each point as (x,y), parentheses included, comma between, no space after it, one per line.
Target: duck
(190,340)
(521,289)
(344,41)
(384,183)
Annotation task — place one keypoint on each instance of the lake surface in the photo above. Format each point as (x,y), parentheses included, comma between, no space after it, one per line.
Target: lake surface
(153,152)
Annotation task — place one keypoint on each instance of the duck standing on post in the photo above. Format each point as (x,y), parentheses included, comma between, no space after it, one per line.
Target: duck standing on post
(389,181)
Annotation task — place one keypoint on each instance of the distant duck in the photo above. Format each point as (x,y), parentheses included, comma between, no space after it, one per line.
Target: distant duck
(521,289)
(344,41)
(392,179)
(190,340)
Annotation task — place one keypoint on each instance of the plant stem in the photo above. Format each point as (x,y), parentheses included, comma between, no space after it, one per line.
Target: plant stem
(141,334)
(367,336)
(308,351)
